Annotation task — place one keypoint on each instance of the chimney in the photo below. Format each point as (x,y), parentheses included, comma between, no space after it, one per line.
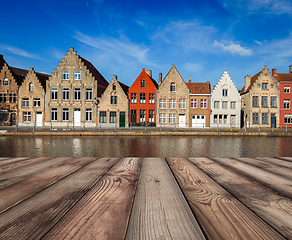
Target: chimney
(115,77)
(290,68)
(274,71)
(247,81)
(149,72)
(160,78)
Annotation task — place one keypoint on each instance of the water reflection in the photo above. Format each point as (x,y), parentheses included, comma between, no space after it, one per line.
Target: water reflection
(161,146)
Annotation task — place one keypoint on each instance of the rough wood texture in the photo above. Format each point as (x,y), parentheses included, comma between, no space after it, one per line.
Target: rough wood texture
(271,206)
(160,211)
(32,218)
(285,162)
(220,214)
(104,212)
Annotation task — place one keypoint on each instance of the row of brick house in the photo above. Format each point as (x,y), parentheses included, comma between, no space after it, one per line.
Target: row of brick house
(76,94)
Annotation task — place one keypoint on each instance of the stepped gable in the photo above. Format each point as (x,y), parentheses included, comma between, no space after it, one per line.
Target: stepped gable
(253,79)
(199,88)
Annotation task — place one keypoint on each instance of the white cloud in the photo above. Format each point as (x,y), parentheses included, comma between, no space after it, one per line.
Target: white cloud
(233,48)
(19,52)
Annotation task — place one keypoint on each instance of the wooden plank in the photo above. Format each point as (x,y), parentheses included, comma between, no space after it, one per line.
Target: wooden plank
(274,181)
(160,210)
(271,206)
(21,190)
(32,218)
(17,163)
(220,214)
(105,210)
(286,158)
(281,162)
(7,160)
(10,177)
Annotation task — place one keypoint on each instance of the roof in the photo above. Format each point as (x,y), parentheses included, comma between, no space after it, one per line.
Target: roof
(284,77)
(253,79)
(124,87)
(199,88)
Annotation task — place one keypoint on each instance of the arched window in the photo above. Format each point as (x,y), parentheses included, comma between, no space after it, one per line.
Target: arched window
(31,86)
(5,82)
(172,87)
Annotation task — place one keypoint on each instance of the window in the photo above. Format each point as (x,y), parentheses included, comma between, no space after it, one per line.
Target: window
(36,102)
(286,104)
(224,92)
(25,102)
(220,118)
(182,104)
(255,101)
(265,118)
(12,97)
(162,117)
(216,104)
(233,105)
(255,118)
(151,98)
(194,103)
(102,117)
(215,118)
(114,87)
(88,114)
(162,103)
(288,118)
(65,75)
(273,101)
(133,97)
(114,99)
(151,116)
(65,114)
(224,104)
(88,94)
(265,101)
(142,97)
(5,82)
(172,103)
(54,114)
(172,118)
(66,94)
(264,86)
(77,94)
(203,103)
(172,87)
(26,117)
(54,93)
(30,87)
(113,117)
(142,116)
(286,89)
(77,75)
(142,83)
(225,118)
(3,97)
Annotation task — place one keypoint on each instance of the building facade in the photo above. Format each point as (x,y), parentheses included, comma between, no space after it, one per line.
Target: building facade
(113,108)
(225,104)
(72,93)
(285,108)
(260,100)
(142,97)
(173,97)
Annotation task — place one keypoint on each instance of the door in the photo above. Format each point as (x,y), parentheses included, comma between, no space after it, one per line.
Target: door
(198,121)
(233,121)
(39,119)
(77,117)
(182,120)
(273,120)
(122,119)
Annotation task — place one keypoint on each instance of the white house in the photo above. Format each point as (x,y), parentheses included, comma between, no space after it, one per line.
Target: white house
(225,104)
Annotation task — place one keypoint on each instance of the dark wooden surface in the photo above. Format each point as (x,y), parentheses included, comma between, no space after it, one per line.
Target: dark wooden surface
(145,198)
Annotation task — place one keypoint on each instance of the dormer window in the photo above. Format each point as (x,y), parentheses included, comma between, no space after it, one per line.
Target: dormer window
(172,87)
(30,87)
(5,82)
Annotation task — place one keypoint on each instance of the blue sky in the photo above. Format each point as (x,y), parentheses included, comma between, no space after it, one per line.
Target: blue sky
(202,38)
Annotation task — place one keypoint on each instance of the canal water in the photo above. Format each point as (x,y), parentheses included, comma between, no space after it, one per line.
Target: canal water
(136,146)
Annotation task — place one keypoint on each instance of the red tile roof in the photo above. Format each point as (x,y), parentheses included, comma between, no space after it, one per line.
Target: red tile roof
(284,77)
(199,88)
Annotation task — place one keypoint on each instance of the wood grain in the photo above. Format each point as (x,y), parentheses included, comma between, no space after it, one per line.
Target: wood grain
(220,214)
(281,162)
(35,216)
(16,163)
(160,210)
(271,206)
(103,213)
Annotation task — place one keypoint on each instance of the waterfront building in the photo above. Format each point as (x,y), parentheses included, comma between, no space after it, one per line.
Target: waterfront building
(113,108)
(142,97)
(225,104)
(285,108)
(199,106)
(173,98)
(72,92)
(260,100)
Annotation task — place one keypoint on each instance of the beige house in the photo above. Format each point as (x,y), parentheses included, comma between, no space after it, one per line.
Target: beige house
(113,108)
(173,97)
(260,100)
(72,92)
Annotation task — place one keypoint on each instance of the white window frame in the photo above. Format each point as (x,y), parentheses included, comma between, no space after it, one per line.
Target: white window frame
(224,105)
(36,102)
(286,103)
(142,116)
(194,103)
(54,114)
(182,103)
(66,92)
(113,117)
(133,97)
(77,75)
(88,94)
(65,114)
(233,105)
(172,103)
(286,89)
(162,103)
(66,75)
(5,82)
(25,102)
(204,103)
(30,87)
(172,118)
(77,94)
(54,93)
(216,104)
(162,118)
(143,98)
(26,116)
(88,114)
(151,98)
(172,87)
(151,116)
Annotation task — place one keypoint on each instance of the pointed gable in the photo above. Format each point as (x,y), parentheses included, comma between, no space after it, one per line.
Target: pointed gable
(149,81)
(173,75)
